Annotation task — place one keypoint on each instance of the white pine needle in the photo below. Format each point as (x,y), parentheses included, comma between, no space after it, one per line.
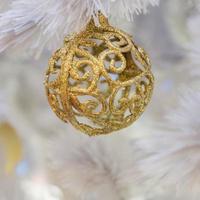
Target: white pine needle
(38,24)
(173,156)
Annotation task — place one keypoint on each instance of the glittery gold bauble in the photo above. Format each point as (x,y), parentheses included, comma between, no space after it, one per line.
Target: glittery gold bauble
(100,80)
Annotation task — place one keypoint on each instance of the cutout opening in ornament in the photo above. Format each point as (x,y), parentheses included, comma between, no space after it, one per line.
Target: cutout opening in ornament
(118,42)
(83,69)
(114,77)
(78,84)
(85,48)
(123,45)
(139,66)
(72,82)
(82,85)
(58,64)
(96,49)
(121,98)
(118,64)
(56,97)
(115,60)
(103,86)
(107,64)
(53,76)
(52,91)
(99,49)
(143,86)
(114,39)
(88,122)
(78,57)
(90,104)
(87,69)
(127,112)
(146,80)
(59,102)
(97,41)
(81,80)
(132,90)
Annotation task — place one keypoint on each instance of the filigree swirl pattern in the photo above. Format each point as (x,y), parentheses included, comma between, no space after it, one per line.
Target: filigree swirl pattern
(100,80)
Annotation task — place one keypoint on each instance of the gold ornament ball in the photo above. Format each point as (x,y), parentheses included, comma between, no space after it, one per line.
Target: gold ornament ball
(100,80)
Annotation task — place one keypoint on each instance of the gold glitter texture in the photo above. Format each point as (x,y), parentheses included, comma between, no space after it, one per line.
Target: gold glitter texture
(100,80)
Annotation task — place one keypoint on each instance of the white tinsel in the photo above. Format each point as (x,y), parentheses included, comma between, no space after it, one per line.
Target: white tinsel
(92,168)
(37,24)
(173,156)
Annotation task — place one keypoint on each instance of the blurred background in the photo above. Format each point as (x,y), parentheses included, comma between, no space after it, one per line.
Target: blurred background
(41,158)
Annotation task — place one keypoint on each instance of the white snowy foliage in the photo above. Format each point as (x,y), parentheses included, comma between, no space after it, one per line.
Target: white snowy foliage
(38,24)
(92,168)
(173,156)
